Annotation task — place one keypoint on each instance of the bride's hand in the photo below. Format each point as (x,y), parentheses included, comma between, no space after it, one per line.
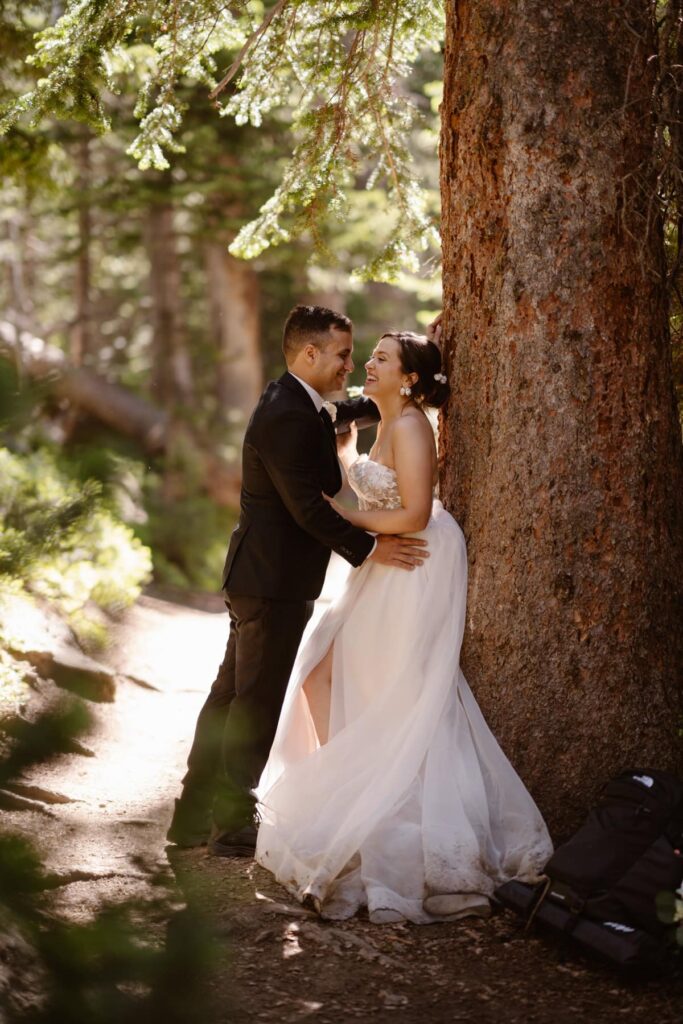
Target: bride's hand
(351,515)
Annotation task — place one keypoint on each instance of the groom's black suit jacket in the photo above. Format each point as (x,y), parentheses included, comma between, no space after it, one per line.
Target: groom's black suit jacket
(281,545)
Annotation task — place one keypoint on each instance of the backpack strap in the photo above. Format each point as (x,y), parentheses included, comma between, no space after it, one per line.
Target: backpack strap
(545,888)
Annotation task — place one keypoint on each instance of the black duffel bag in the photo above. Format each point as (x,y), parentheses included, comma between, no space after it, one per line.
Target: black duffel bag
(602,884)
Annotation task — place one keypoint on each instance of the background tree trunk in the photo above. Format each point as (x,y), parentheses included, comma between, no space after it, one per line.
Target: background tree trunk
(172,370)
(562,447)
(81,332)
(234,302)
(20,309)
(326,288)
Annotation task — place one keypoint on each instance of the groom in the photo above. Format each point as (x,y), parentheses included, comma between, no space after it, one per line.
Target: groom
(273,573)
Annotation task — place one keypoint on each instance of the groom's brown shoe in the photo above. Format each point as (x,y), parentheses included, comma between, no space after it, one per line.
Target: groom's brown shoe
(240,843)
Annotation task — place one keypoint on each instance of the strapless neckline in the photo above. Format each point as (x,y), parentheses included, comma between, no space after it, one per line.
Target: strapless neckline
(383,489)
(366,458)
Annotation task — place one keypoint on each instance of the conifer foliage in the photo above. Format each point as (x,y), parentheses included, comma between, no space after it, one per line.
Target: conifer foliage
(338,66)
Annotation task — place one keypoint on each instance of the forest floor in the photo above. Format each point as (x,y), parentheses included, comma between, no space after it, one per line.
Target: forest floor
(274,961)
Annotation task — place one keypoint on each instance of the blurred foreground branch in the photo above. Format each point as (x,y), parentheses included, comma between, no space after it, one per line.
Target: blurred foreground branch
(140,961)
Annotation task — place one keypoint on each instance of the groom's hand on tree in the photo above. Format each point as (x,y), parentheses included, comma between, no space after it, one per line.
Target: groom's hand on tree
(434,330)
(401,552)
(346,446)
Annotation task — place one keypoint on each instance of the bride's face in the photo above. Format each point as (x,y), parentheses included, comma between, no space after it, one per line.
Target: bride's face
(384,373)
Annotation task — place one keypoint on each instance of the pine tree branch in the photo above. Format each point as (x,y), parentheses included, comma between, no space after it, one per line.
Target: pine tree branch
(251,41)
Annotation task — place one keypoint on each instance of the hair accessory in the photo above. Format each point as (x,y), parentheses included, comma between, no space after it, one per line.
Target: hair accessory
(441,377)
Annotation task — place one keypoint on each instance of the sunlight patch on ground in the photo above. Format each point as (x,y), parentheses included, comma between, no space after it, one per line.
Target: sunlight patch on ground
(122,797)
(290,940)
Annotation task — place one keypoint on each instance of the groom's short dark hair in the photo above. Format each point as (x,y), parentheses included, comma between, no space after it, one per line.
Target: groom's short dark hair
(310,325)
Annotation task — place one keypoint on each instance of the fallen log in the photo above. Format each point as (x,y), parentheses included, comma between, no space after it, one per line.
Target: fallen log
(116,407)
(110,403)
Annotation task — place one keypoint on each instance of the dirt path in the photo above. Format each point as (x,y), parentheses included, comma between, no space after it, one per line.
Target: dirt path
(114,827)
(274,961)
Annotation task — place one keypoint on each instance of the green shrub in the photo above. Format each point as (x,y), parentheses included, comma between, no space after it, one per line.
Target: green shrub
(188,537)
(60,540)
(186,531)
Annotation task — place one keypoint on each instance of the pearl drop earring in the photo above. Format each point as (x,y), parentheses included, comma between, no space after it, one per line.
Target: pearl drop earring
(405,390)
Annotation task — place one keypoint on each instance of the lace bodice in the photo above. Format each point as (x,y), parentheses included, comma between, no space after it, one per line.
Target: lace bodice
(375,485)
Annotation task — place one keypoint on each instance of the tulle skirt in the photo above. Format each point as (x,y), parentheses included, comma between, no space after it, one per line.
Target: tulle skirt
(411,805)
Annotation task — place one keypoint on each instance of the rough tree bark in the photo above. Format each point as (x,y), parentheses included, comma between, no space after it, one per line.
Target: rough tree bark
(235,306)
(562,447)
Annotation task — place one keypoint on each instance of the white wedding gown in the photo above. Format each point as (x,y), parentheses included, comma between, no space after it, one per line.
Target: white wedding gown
(411,806)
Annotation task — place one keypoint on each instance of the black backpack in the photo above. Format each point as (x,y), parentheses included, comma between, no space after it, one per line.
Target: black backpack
(602,884)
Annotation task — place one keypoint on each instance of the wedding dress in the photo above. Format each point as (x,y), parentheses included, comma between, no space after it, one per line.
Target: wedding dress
(411,807)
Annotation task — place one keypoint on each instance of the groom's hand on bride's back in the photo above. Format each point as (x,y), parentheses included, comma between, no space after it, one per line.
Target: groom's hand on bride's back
(401,552)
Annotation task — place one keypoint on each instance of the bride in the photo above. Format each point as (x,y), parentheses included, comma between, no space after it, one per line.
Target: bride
(385,787)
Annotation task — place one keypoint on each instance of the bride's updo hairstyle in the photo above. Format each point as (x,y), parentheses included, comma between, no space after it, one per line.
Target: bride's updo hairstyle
(421,356)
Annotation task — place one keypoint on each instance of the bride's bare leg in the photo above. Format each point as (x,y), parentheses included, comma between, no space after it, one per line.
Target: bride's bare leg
(318,690)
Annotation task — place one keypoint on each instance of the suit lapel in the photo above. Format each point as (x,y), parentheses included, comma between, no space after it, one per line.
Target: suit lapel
(324,419)
(327,423)
(329,426)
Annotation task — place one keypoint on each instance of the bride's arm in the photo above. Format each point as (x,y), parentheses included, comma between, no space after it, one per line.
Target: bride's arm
(412,450)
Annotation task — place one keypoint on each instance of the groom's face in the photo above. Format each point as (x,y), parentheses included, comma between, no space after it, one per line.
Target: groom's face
(334,363)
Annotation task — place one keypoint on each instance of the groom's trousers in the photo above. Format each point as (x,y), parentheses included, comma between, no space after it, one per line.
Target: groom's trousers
(237,723)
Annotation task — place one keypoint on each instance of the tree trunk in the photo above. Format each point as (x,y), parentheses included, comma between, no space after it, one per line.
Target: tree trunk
(171,378)
(20,310)
(80,340)
(562,450)
(326,288)
(234,302)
